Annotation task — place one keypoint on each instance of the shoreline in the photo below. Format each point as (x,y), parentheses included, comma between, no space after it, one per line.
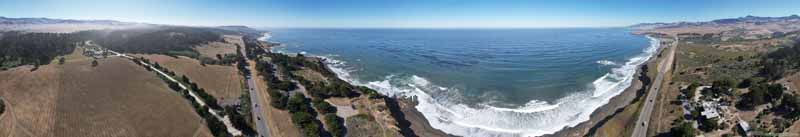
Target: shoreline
(413,123)
(598,117)
(616,104)
(421,127)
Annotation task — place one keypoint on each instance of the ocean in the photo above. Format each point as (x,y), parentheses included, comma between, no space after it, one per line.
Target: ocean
(484,82)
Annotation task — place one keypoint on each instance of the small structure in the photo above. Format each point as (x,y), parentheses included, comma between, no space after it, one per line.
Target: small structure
(94,51)
(743,128)
(710,110)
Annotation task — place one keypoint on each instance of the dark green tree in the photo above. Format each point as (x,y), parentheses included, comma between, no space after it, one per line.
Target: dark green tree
(61,61)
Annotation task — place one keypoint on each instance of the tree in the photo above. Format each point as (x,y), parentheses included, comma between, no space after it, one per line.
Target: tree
(2,106)
(745,83)
(297,103)
(758,95)
(335,125)
(683,129)
(709,124)
(323,107)
(94,63)
(278,99)
(23,48)
(61,61)
(723,86)
(185,79)
(775,91)
(789,107)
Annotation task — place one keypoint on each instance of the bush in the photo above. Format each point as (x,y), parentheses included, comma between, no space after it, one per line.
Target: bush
(297,103)
(306,122)
(789,107)
(278,100)
(335,125)
(683,129)
(708,125)
(323,107)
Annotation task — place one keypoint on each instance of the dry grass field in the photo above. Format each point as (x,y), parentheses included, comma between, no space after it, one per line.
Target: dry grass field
(222,82)
(373,118)
(229,45)
(621,124)
(116,98)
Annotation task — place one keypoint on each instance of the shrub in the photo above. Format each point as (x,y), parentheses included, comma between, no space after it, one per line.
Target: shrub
(323,107)
(335,125)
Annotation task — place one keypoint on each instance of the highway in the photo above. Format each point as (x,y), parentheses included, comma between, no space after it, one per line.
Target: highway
(261,123)
(644,116)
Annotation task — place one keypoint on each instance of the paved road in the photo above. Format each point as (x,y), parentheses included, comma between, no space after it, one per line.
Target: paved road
(644,116)
(261,126)
(261,123)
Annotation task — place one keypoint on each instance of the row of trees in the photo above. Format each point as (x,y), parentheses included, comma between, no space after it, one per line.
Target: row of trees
(226,59)
(19,48)
(238,119)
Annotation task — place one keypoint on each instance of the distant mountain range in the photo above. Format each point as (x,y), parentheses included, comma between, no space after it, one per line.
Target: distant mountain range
(9,21)
(72,25)
(747,20)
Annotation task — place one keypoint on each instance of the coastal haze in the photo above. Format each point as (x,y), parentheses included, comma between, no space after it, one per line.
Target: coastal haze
(399,68)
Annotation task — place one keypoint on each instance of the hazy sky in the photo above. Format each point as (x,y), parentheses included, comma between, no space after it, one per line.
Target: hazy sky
(399,13)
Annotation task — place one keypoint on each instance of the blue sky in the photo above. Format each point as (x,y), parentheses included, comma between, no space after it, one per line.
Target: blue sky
(399,13)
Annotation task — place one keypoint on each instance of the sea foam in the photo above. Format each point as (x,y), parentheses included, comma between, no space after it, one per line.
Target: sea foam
(440,105)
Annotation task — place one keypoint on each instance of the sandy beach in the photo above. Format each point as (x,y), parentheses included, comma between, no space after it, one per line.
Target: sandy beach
(420,126)
(607,111)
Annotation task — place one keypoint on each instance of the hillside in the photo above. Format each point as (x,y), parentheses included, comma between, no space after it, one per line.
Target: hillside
(730,77)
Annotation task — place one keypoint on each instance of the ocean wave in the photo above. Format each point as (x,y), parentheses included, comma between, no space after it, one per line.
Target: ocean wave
(442,108)
(265,37)
(606,62)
